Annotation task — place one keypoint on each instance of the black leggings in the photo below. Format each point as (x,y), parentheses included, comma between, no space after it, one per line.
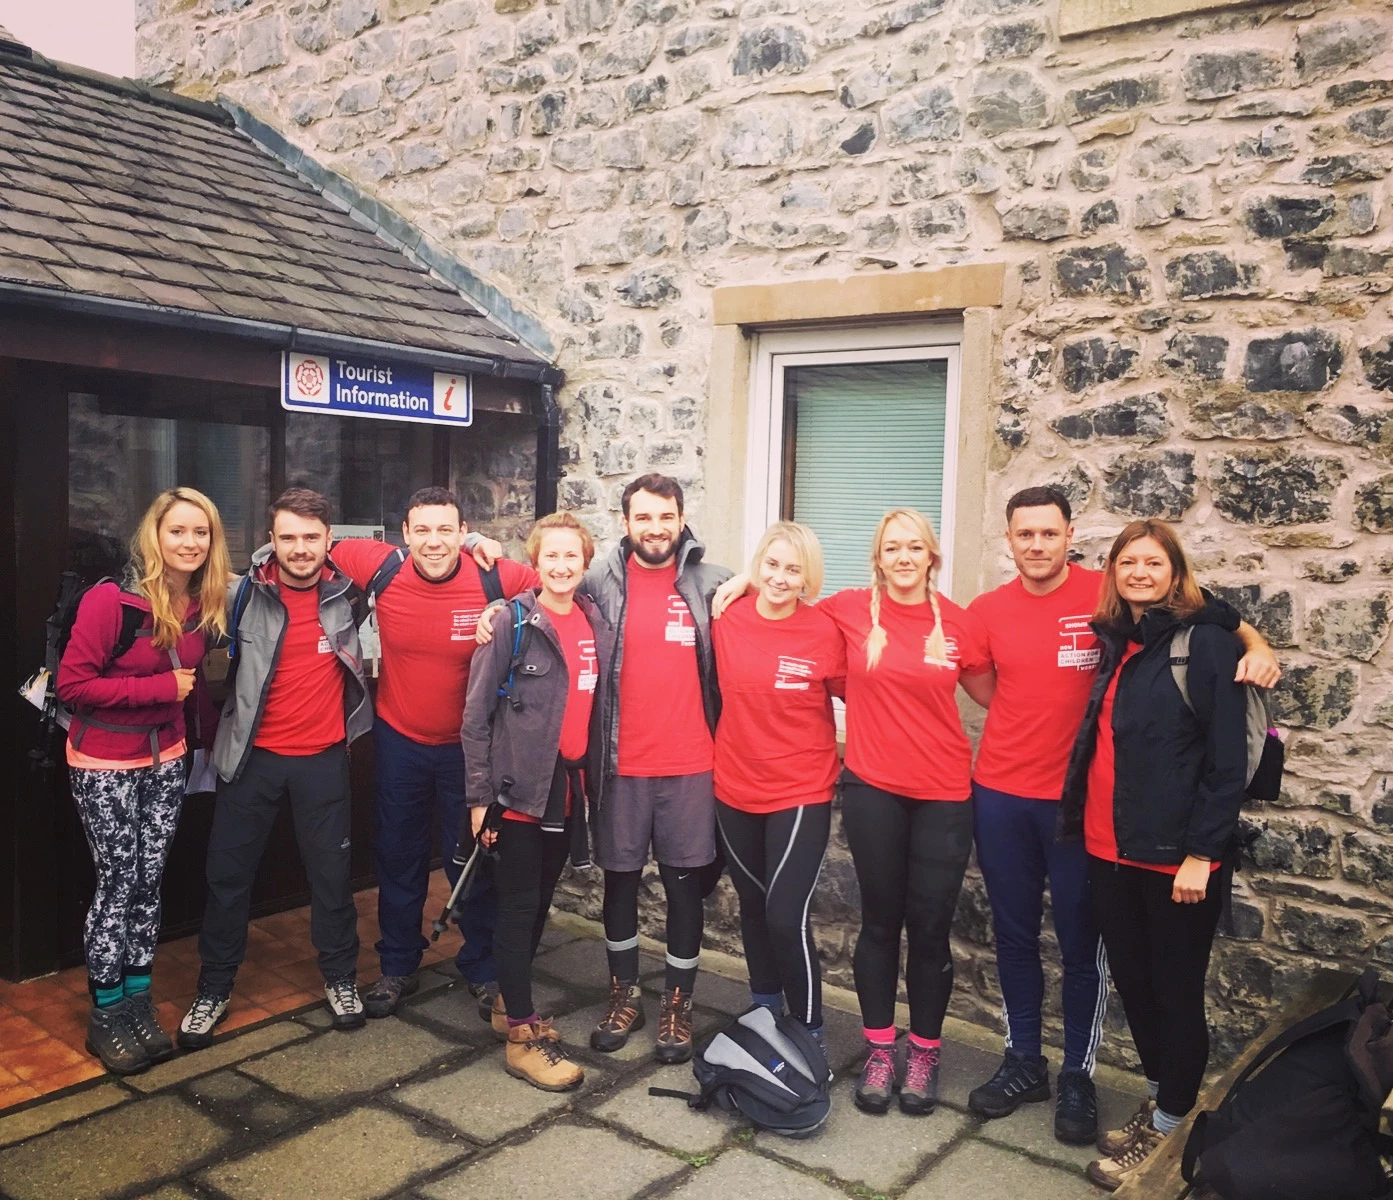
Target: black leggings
(529,864)
(1158,955)
(774,860)
(910,856)
(685,919)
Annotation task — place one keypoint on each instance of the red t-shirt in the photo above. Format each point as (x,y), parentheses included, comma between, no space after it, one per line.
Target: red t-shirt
(1046,655)
(662,721)
(1099,836)
(903,731)
(776,743)
(583,673)
(426,628)
(304,704)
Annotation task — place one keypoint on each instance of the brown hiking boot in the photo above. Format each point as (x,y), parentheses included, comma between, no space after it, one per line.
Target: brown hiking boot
(1112,1142)
(534,1053)
(1111,1173)
(498,1019)
(674,1028)
(622,1017)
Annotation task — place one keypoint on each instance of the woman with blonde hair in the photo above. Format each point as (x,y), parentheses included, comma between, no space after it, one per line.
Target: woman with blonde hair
(128,667)
(906,794)
(1154,787)
(779,661)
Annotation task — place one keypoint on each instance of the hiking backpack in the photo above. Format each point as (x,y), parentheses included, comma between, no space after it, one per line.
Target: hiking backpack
(768,1069)
(1266,754)
(1307,1125)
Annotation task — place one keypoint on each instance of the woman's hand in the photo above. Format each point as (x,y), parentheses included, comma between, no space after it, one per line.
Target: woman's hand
(476,822)
(1191,881)
(183,680)
(729,592)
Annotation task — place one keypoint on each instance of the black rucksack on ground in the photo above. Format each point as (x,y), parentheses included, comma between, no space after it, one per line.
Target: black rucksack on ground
(770,1070)
(1302,1119)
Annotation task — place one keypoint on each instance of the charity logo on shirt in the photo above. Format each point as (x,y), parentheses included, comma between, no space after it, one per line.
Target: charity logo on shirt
(324,647)
(1073,631)
(463,622)
(589,673)
(950,652)
(679,628)
(793,674)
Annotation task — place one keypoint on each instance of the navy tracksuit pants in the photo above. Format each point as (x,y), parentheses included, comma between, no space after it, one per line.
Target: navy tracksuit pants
(1018,855)
(414,782)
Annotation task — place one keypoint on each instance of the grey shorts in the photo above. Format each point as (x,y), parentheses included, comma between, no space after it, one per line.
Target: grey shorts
(675,814)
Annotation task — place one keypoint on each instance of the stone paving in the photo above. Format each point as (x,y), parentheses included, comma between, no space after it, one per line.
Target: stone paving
(418,1108)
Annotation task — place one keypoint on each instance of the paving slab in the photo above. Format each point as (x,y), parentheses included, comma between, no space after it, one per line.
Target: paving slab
(575,1029)
(882,1152)
(581,963)
(573,1161)
(1031,1128)
(665,1120)
(738,1174)
(239,1100)
(223,1052)
(842,1038)
(987,1172)
(963,1068)
(453,1009)
(484,1102)
(361,1155)
(111,1151)
(337,1065)
(15,1127)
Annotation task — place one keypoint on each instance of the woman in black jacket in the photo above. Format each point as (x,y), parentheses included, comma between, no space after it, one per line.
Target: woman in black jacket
(1154,786)
(533,747)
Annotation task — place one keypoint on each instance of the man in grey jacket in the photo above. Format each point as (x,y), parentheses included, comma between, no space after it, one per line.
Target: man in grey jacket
(298,699)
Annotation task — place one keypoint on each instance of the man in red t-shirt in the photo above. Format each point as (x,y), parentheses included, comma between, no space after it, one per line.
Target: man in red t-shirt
(426,615)
(1045,654)
(299,698)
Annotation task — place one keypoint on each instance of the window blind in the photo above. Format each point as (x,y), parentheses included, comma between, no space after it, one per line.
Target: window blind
(868,437)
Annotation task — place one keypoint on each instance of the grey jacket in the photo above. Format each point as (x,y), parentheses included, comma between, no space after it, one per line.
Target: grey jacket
(504,743)
(260,631)
(607,584)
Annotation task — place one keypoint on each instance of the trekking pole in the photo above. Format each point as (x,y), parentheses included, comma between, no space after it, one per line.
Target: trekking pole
(442,922)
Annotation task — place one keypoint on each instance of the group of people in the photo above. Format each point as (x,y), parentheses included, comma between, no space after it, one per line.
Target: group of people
(650,703)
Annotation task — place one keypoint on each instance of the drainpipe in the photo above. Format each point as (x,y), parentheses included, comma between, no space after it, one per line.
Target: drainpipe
(548,449)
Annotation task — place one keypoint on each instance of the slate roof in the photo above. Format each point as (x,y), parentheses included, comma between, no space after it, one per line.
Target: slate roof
(110,189)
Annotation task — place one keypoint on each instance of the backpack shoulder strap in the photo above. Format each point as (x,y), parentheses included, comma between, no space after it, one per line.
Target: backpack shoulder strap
(1343,1013)
(505,692)
(1180,663)
(385,574)
(493,584)
(239,605)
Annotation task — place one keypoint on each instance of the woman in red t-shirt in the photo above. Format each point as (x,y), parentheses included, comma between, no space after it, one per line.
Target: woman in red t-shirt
(126,672)
(906,794)
(533,753)
(779,662)
(1154,785)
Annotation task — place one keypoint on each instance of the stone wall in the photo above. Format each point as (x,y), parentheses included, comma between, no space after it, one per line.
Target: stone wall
(1194,218)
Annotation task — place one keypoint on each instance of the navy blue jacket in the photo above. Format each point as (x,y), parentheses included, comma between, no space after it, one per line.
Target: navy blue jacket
(1180,776)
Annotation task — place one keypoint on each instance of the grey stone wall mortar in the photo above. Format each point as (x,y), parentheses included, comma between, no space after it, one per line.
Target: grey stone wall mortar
(1203,202)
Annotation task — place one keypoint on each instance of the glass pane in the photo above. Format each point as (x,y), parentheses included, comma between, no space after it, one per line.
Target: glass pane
(862,438)
(118,462)
(367,469)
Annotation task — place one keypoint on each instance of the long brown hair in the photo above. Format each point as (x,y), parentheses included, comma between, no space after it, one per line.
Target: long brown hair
(207,585)
(937,648)
(1184,599)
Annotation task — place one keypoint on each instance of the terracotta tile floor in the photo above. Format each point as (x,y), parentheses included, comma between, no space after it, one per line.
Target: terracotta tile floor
(43,1022)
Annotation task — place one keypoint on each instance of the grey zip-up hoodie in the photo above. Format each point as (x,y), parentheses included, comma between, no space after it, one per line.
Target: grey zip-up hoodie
(260,632)
(607,584)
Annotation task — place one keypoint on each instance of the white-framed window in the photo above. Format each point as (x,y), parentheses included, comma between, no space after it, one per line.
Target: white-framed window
(847,422)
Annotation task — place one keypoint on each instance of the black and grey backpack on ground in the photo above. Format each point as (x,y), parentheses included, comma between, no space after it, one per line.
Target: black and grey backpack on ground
(770,1070)
(1302,1120)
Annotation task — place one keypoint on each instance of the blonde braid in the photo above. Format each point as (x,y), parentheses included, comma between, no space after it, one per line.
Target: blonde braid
(937,649)
(877,638)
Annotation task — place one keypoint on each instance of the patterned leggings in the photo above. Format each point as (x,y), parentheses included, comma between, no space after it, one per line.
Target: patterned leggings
(129,818)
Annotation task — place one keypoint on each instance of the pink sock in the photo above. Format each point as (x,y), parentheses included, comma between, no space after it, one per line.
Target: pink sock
(880,1037)
(924,1043)
(512,1024)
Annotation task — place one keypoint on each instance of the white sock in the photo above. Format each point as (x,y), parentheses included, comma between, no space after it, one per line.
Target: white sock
(1163,1122)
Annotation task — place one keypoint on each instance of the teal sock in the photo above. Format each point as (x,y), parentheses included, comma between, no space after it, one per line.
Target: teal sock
(107,997)
(136,983)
